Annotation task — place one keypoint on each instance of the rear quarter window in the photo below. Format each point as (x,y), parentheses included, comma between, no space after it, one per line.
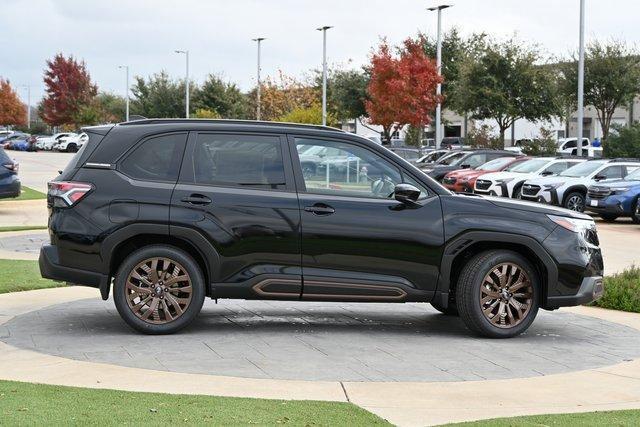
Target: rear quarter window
(156,158)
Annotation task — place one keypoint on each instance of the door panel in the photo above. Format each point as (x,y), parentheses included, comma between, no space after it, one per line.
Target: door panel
(237,190)
(358,243)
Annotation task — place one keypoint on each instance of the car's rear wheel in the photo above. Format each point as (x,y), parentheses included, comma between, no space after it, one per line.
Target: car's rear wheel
(159,289)
(72,148)
(575,201)
(497,294)
(609,217)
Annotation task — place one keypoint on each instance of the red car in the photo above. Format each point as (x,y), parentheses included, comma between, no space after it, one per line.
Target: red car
(463,180)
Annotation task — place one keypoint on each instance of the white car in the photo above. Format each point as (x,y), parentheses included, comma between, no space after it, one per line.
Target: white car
(508,183)
(47,142)
(569,189)
(567,145)
(71,144)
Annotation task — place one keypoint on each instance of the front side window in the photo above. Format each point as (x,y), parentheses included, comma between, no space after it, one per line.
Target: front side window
(238,160)
(474,160)
(156,159)
(332,167)
(556,168)
(611,172)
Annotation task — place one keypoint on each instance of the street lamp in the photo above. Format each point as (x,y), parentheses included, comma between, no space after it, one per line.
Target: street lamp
(580,81)
(439,65)
(259,40)
(186,82)
(28,105)
(324,72)
(126,68)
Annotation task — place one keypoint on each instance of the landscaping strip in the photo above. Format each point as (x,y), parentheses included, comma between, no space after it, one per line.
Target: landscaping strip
(609,418)
(22,228)
(18,275)
(30,404)
(29,194)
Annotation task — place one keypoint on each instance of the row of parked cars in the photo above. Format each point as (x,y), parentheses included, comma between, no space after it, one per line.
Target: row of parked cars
(607,187)
(64,141)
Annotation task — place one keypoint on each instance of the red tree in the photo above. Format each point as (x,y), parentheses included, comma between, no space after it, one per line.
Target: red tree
(12,110)
(402,89)
(68,90)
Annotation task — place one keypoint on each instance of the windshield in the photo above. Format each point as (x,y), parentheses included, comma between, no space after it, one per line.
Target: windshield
(582,169)
(528,166)
(451,159)
(633,176)
(495,164)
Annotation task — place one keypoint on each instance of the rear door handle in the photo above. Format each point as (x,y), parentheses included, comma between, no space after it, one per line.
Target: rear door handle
(196,199)
(320,209)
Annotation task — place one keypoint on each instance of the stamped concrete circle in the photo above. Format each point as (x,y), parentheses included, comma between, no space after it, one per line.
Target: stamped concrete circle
(325,341)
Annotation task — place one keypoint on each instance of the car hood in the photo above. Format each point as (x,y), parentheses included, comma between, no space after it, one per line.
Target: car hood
(547,180)
(465,173)
(493,176)
(534,207)
(618,183)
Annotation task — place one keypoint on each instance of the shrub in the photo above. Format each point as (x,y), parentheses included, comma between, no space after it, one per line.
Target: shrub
(544,145)
(483,137)
(623,142)
(311,115)
(622,291)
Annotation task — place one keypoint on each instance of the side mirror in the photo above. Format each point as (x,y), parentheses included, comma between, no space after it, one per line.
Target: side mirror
(406,194)
(466,166)
(546,173)
(599,177)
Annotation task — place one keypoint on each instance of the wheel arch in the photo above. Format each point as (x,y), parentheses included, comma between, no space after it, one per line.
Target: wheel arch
(459,250)
(573,189)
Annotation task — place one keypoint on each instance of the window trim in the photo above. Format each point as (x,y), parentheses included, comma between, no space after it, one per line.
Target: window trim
(176,161)
(187,170)
(299,178)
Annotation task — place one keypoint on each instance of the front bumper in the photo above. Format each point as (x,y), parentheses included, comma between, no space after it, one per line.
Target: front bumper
(50,268)
(591,289)
(548,197)
(613,205)
(11,188)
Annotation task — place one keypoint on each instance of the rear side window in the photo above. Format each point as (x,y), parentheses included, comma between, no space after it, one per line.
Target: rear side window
(155,159)
(238,160)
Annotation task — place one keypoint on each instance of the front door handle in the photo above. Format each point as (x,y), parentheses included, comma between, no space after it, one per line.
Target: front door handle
(320,209)
(196,199)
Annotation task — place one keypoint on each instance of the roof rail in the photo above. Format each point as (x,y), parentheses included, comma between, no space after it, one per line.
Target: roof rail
(624,159)
(229,121)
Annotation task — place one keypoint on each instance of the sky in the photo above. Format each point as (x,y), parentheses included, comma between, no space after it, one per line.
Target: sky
(143,34)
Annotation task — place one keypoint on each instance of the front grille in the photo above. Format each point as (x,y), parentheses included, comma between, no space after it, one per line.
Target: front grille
(449,180)
(482,184)
(530,190)
(598,192)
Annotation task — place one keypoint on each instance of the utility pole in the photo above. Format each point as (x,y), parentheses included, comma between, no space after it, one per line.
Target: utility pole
(439,65)
(324,73)
(581,81)
(28,105)
(126,68)
(186,82)
(259,40)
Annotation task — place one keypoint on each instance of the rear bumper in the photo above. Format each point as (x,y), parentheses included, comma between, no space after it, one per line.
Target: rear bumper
(51,269)
(591,289)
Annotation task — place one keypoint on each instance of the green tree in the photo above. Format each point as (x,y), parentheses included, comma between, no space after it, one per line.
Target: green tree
(347,93)
(111,107)
(309,115)
(157,97)
(544,145)
(624,142)
(203,113)
(506,82)
(611,79)
(225,98)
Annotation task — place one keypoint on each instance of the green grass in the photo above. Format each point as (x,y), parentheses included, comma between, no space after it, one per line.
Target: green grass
(22,228)
(22,276)
(622,291)
(611,418)
(35,404)
(30,194)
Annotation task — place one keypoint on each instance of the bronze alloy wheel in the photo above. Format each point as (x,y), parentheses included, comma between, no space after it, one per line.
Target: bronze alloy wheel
(158,290)
(506,295)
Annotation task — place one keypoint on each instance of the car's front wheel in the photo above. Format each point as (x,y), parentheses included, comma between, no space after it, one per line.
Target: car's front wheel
(159,289)
(575,202)
(497,294)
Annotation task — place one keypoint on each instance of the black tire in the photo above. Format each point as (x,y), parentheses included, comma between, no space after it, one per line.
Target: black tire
(72,148)
(189,313)
(635,211)
(609,217)
(451,309)
(470,287)
(575,201)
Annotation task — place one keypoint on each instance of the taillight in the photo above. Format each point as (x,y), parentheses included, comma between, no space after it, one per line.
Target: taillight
(12,166)
(67,193)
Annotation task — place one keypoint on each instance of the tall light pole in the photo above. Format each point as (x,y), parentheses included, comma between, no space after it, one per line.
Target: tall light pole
(186,82)
(126,68)
(439,65)
(324,72)
(28,105)
(580,81)
(259,40)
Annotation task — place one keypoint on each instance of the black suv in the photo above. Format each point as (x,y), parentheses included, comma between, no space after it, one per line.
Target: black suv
(168,212)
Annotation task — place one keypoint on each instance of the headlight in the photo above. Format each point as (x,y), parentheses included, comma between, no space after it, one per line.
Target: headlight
(552,186)
(572,224)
